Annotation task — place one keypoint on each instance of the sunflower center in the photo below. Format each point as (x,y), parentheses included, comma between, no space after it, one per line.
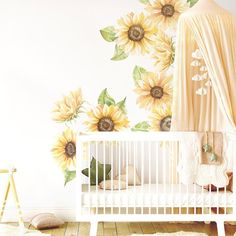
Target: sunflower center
(156,92)
(136,33)
(70,149)
(105,124)
(165,123)
(168,10)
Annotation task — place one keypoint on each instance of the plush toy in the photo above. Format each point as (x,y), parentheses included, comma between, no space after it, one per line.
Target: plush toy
(96,165)
(112,185)
(133,178)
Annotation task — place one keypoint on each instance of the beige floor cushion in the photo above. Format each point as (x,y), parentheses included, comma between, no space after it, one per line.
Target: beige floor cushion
(46,221)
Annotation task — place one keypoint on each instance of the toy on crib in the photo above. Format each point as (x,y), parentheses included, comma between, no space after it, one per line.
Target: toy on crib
(133,178)
(119,182)
(112,185)
(96,165)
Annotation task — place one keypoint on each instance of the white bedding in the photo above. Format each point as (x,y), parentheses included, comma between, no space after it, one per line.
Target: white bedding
(177,195)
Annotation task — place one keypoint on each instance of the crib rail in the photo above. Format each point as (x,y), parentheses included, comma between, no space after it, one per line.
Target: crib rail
(140,173)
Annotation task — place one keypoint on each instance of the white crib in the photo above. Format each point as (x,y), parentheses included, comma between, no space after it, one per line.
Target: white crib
(159,195)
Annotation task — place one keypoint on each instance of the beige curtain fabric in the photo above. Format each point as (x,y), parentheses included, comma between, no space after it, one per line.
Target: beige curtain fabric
(204,96)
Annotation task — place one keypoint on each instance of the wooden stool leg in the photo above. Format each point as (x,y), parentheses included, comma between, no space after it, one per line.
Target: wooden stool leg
(20,217)
(4,200)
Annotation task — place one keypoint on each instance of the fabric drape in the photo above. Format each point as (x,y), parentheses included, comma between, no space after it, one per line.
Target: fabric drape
(204,86)
(215,37)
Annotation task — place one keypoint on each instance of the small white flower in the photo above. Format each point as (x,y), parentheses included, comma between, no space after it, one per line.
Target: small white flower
(201,91)
(195,63)
(205,75)
(197,54)
(208,83)
(198,77)
(203,68)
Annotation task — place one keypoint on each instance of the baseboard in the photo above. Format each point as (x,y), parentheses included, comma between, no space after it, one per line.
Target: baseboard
(66,214)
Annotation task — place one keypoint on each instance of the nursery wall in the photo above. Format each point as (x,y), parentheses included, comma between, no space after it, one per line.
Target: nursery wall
(48,48)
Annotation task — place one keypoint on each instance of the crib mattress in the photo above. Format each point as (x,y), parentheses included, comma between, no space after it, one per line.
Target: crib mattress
(177,195)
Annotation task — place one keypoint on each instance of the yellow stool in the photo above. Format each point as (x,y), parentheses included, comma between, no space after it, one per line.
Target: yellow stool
(11,185)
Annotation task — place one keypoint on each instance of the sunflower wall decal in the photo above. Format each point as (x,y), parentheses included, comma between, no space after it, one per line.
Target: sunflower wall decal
(160,119)
(165,13)
(64,150)
(149,34)
(164,52)
(154,90)
(67,111)
(108,115)
(69,107)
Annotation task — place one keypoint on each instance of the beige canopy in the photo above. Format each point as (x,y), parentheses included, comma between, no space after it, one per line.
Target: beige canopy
(204,84)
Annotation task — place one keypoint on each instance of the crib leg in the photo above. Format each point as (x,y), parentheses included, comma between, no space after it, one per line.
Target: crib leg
(93,228)
(220,228)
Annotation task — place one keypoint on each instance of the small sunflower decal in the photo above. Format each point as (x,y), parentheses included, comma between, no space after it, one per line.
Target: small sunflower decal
(135,33)
(69,107)
(166,12)
(106,118)
(64,151)
(154,90)
(164,52)
(160,119)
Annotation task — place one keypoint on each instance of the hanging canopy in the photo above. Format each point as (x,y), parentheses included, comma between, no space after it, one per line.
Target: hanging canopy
(204,96)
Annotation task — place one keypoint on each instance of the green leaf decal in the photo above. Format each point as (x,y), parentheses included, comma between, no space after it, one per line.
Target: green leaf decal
(109,33)
(121,105)
(138,72)
(105,98)
(192,2)
(144,1)
(119,54)
(142,126)
(69,176)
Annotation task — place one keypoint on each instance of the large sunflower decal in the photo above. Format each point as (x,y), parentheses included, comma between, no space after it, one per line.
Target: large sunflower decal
(166,12)
(160,119)
(154,90)
(69,107)
(135,33)
(164,52)
(108,115)
(106,118)
(64,150)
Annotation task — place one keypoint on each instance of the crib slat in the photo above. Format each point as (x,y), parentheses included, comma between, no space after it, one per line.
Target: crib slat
(112,175)
(164,172)
(157,173)
(217,209)
(149,176)
(119,173)
(79,154)
(225,197)
(172,174)
(104,173)
(134,174)
(195,200)
(96,155)
(187,204)
(142,175)
(203,203)
(89,177)
(209,193)
(127,174)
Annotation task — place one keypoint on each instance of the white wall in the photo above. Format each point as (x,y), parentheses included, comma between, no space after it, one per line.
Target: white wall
(47,48)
